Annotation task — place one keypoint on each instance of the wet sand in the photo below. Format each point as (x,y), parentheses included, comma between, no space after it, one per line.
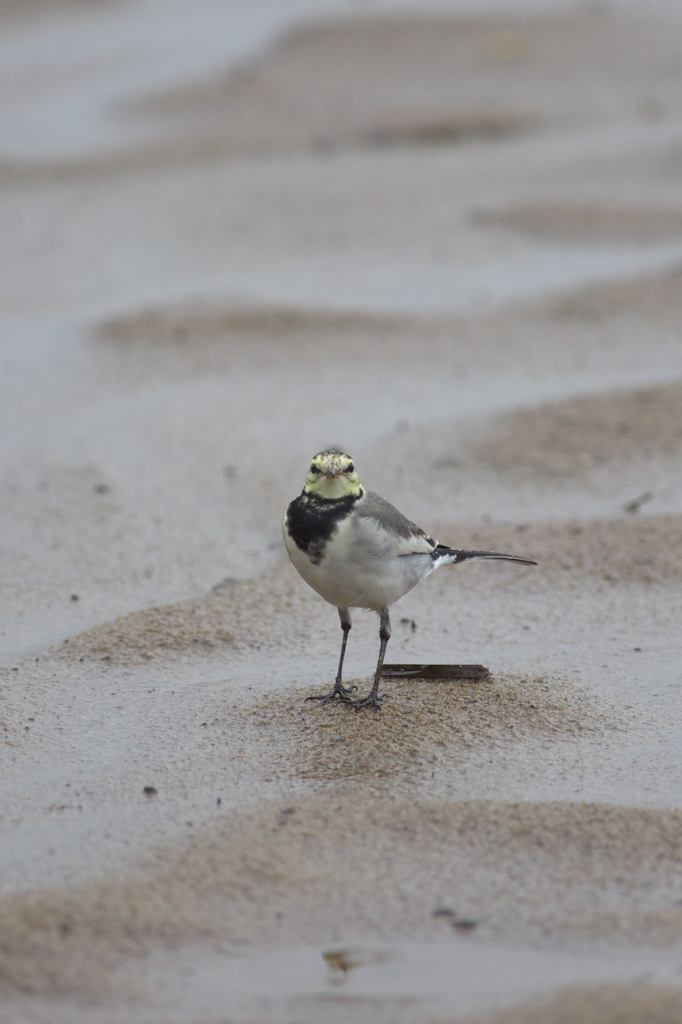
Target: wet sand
(451,245)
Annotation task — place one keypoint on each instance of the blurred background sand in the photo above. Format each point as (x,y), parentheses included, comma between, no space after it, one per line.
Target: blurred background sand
(448,238)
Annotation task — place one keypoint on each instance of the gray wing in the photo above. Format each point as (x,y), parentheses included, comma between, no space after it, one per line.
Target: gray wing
(412,540)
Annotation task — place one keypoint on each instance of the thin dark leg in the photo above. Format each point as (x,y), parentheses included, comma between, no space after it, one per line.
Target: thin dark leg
(374,698)
(346,627)
(340,691)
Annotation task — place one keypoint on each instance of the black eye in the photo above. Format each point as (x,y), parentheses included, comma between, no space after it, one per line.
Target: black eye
(351,468)
(314,469)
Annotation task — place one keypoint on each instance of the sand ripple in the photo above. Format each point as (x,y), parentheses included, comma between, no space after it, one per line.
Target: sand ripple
(584,224)
(274,612)
(602,1004)
(572,438)
(263,875)
(427,80)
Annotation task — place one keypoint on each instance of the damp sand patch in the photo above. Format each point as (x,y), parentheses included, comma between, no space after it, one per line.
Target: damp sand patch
(597,224)
(201,338)
(272,611)
(424,724)
(421,80)
(171,341)
(649,297)
(635,1003)
(397,81)
(180,324)
(312,868)
(574,437)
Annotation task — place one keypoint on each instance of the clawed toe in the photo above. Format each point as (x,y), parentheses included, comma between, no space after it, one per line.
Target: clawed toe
(342,692)
(373,700)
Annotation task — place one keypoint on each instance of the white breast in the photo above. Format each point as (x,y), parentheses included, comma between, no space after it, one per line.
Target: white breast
(362,566)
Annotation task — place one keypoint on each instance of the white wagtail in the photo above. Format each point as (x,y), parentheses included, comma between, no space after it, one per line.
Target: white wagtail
(357,551)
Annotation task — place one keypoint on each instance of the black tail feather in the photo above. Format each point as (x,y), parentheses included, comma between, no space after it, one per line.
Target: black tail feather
(459,555)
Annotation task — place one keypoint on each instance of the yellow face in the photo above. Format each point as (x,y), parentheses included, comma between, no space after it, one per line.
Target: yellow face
(332,475)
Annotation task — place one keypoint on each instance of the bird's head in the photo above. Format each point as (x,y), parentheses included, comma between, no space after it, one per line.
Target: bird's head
(332,475)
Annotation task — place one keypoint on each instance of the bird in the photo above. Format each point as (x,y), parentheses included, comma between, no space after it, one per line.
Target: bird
(357,551)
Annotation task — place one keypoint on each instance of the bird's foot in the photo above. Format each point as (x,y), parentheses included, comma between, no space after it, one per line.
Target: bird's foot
(372,700)
(340,691)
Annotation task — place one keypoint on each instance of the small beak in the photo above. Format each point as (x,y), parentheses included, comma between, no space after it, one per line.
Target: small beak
(331,472)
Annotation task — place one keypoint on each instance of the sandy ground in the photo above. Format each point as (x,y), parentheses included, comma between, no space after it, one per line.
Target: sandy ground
(448,240)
